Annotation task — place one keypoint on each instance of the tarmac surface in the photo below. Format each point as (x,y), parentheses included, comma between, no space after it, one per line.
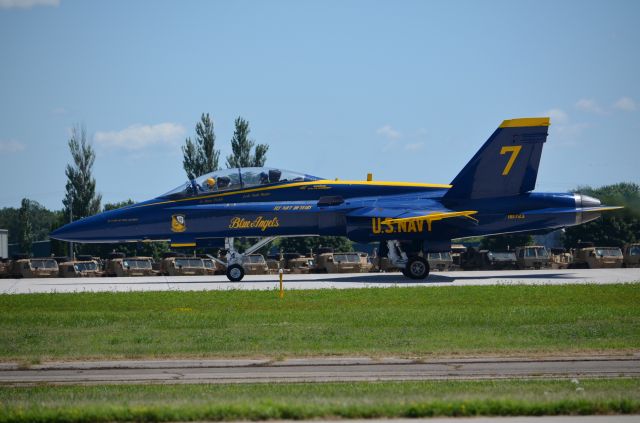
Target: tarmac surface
(316,370)
(319,281)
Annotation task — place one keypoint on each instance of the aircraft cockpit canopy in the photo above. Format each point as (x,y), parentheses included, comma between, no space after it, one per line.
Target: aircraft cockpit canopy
(237,178)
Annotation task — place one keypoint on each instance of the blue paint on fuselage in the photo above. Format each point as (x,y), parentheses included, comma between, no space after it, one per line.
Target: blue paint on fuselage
(295,211)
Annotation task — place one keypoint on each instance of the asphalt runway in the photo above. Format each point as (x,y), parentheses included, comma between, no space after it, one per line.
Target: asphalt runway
(317,370)
(319,281)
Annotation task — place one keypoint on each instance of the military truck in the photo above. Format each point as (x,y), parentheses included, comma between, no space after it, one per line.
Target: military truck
(560,258)
(255,264)
(298,263)
(211,267)
(5,268)
(440,261)
(456,251)
(533,257)
(84,266)
(474,259)
(597,258)
(330,262)
(180,265)
(119,265)
(44,267)
(631,255)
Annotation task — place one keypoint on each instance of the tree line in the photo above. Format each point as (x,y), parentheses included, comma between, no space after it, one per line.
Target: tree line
(33,222)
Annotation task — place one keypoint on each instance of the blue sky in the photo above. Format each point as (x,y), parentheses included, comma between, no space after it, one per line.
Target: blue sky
(408,90)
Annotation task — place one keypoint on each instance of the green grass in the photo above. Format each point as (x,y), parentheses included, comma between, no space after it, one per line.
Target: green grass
(410,322)
(324,400)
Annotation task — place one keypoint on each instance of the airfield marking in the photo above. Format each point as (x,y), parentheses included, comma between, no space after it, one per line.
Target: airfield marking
(317,370)
(319,281)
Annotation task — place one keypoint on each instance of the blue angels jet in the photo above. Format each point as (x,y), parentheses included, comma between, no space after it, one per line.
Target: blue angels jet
(493,194)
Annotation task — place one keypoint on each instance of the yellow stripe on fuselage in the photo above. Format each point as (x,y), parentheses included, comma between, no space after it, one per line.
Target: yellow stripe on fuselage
(516,123)
(325,182)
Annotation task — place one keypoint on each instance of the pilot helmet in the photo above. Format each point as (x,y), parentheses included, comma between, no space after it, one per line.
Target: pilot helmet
(211,182)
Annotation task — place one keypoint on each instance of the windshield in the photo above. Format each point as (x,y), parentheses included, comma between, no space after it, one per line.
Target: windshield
(258,259)
(86,266)
(609,252)
(237,178)
(346,258)
(189,263)
(44,264)
(504,256)
(137,264)
(635,250)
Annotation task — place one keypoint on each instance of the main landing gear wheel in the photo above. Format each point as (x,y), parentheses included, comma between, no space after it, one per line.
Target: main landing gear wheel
(417,268)
(235,273)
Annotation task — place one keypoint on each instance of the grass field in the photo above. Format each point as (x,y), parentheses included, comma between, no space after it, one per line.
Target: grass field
(410,322)
(324,400)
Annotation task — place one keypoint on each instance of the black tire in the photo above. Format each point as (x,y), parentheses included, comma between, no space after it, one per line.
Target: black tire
(417,268)
(235,273)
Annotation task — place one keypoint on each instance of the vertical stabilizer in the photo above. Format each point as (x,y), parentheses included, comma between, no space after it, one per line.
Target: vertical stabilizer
(506,165)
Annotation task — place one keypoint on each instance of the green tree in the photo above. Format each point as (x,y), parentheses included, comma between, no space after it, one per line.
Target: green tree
(81,199)
(304,245)
(505,242)
(26,229)
(10,220)
(614,228)
(242,146)
(201,157)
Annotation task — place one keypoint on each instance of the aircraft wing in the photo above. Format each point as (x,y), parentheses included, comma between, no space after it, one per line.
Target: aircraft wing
(404,215)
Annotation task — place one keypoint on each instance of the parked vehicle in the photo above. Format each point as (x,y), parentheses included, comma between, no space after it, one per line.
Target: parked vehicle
(533,257)
(119,265)
(473,259)
(560,258)
(631,255)
(297,263)
(456,251)
(83,267)
(5,268)
(597,258)
(180,265)
(440,261)
(255,264)
(44,267)
(330,262)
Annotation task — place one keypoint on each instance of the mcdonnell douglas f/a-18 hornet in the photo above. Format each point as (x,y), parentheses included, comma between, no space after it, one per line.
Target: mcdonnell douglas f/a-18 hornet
(492,194)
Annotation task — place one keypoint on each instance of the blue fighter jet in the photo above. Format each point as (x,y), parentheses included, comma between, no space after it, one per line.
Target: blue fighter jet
(493,194)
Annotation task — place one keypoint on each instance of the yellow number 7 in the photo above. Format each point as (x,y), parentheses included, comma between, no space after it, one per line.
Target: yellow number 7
(514,150)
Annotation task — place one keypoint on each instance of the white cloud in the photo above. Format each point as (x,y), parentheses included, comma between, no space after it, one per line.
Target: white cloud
(625,103)
(137,137)
(589,105)
(415,146)
(558,116)
(27,4)
(11,146)
(389,133)
(564,130)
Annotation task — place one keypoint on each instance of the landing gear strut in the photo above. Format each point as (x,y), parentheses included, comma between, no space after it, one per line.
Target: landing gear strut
(235,271)
(414,267)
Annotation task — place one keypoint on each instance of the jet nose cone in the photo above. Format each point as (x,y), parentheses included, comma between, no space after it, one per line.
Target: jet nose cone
(587,201)
(81,230)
